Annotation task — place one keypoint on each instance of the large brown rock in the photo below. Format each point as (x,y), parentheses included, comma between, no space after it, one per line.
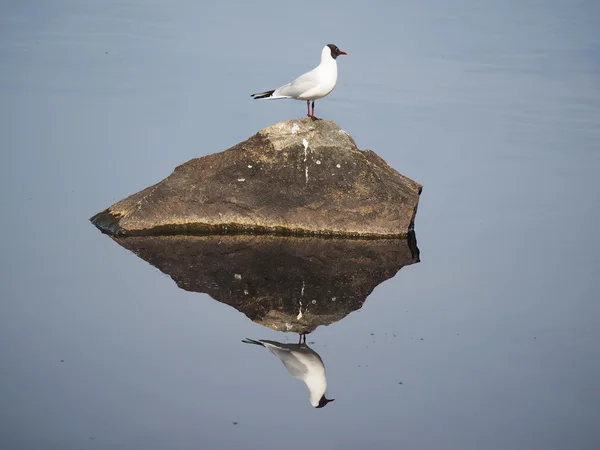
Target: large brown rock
(299,177)
(285,283)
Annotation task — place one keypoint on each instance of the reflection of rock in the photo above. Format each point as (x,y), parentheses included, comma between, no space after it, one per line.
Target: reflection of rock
(299,177)
(285,283)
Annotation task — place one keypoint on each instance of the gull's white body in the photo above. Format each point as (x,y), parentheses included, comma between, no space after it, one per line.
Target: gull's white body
(302,363)
(313,85)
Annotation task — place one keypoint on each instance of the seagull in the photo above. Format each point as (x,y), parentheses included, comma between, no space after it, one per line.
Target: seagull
(302,363)
(313,85)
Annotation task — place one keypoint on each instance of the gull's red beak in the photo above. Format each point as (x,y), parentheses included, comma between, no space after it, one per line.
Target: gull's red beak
(343,53)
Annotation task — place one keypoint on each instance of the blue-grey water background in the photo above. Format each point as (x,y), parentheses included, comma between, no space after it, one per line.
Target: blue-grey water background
(493,106)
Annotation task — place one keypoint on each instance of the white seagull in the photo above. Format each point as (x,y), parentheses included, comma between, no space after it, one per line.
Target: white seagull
(313,85)
(302,363)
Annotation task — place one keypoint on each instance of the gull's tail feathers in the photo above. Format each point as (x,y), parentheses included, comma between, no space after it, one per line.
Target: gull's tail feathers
(269,95)
(252,341)
(265,94)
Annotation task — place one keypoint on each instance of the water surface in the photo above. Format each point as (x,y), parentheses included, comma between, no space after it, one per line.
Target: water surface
(493,106)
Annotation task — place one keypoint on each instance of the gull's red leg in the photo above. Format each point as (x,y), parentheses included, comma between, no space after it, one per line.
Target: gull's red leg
(308,108)
(312,116)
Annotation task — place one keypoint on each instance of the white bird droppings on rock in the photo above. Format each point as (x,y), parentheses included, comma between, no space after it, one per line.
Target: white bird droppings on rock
(333,299)
(241,179)
(237,276)
(338,166)
(318,162)
(295,128)
(249,166)
(314,302)
(305,143)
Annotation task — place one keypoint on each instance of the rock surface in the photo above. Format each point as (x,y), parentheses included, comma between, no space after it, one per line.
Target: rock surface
(299,177)
(285,283)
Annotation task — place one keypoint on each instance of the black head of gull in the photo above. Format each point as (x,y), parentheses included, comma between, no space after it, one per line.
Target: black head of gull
(335,51)
(324,402)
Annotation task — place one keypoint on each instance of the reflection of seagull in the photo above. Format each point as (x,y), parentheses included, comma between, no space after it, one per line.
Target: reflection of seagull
(302,363)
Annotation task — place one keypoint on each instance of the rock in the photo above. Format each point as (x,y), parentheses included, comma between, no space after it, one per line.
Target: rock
(285,283)
(299,177)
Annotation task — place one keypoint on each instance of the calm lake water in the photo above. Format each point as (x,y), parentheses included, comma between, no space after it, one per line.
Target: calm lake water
(493,106)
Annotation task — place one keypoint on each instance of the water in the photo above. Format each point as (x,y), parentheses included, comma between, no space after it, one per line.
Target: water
(493,106)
